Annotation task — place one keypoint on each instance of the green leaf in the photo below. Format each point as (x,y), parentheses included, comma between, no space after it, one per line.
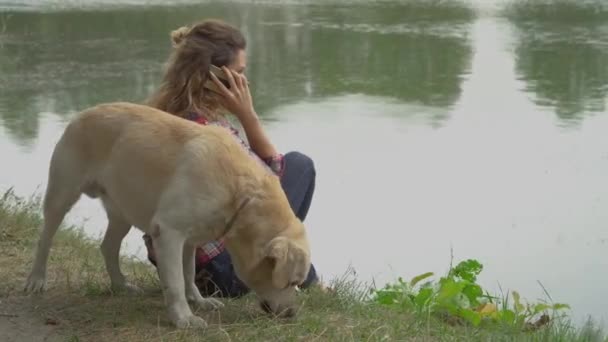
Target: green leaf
(507,316)
(385,299)
(423,297)
(449,289)
(560,306)
(539,308)
(467,270)
(471,316)
(418,278)
(473,293)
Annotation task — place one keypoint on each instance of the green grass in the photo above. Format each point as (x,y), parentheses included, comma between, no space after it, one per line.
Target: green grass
(80,307)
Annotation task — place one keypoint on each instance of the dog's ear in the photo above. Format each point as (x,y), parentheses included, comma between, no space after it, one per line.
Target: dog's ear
(290,262)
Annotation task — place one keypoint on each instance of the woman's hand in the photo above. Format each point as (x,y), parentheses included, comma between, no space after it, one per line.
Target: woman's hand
(237,99)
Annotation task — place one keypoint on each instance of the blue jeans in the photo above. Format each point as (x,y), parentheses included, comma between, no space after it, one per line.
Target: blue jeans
(218,277)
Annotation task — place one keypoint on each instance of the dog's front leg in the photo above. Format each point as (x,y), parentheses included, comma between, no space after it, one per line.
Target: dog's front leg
(169,245)
(192,292)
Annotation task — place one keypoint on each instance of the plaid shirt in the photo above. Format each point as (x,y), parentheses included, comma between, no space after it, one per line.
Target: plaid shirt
(275,164)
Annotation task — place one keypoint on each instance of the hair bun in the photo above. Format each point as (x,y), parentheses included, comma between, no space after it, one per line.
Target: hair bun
(177,36)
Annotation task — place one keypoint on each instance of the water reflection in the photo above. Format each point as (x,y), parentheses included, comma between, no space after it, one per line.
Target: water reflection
(369,50)
(419,68)
(64,61)
(560,11)
(561,55)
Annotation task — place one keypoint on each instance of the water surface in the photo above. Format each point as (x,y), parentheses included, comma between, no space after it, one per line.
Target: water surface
(478,127)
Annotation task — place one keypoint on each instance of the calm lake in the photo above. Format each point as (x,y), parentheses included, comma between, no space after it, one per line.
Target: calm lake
(479,127)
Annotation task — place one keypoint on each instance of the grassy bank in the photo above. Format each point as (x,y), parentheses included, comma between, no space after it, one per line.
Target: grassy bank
(78,305)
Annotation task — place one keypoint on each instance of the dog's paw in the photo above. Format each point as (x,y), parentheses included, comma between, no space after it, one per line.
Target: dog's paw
(127,288)
(35,284)
(190,322)
(209,304)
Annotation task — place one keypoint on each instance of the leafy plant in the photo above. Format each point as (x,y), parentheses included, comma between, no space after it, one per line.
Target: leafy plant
(458,297)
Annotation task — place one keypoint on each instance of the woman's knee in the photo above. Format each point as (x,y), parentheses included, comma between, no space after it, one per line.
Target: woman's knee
(298,182)
(300,161)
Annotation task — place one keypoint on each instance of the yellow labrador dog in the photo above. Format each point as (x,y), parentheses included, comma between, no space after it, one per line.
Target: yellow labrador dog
(184,184)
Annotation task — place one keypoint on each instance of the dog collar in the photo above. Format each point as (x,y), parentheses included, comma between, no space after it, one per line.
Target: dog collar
(230,223)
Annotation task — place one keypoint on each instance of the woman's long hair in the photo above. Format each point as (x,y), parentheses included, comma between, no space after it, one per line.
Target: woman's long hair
(187,69)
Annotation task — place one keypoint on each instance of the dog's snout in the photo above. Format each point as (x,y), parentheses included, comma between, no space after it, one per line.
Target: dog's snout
(286,312)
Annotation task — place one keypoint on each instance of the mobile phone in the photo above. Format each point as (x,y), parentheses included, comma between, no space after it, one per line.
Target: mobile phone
(221,75)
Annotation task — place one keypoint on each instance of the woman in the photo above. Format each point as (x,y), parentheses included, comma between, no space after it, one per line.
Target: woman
(182,93)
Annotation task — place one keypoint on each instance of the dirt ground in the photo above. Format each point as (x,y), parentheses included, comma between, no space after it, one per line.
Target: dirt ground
(20,322)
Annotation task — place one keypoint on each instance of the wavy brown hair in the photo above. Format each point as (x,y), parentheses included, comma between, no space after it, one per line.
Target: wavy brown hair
(194,49)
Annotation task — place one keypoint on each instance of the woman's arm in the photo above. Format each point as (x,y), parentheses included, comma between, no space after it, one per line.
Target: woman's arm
(258,140)
(238,101)
(261,145)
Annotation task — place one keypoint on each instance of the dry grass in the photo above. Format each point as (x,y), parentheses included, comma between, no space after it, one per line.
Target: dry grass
(78,305)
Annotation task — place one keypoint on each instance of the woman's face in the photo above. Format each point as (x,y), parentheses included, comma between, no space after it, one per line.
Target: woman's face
(240,62)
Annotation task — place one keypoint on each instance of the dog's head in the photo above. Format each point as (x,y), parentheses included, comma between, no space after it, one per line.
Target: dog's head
(271,255)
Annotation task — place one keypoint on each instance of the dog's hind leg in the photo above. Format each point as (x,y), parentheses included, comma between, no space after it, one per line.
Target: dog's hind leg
(63,190)
(192,292)
(117,229)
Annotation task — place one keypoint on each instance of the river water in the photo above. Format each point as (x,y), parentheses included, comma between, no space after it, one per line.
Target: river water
(473,127)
